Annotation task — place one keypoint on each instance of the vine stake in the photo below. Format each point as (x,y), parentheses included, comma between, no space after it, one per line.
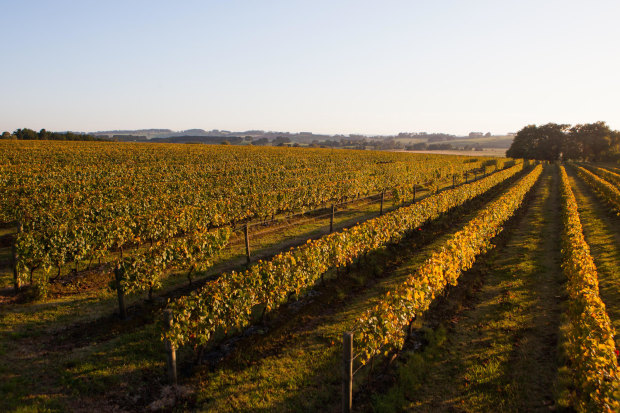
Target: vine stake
(347,372)
(170,351)
(121,293)
(247,242)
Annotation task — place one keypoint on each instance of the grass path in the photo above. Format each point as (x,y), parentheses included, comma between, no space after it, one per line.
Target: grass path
(601,228)
(498,351)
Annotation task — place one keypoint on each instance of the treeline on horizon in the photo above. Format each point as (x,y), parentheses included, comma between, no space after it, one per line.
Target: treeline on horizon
(29,134)
(356,143)
(551,142)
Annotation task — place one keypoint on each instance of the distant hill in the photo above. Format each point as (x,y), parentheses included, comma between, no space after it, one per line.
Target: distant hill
(152,134)
(199,139)
(501,141)
(494,141)
(147,133)
(216,136)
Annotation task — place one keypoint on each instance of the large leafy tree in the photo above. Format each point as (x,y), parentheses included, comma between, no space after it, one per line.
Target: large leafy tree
(26,133)
(546,142)
(591,141)
(594,140)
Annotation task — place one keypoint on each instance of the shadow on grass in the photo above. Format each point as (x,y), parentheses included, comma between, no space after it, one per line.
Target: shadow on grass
(127,371)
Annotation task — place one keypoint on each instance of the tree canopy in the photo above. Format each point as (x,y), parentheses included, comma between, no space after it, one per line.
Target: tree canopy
(590,141)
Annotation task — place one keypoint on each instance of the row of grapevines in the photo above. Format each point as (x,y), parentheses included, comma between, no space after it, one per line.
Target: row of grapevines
(382,328)
(589,337)
(195,252)
(227,302)
(608,191)
(140,271)
(613,169)
(607,175)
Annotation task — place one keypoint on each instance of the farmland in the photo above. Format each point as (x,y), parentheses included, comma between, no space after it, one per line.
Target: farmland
(458,277)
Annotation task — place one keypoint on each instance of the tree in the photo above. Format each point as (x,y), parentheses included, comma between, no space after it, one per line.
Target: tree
(546,142)
(590,142)
(280,140)
(593,139)
(26,133)
(261,141)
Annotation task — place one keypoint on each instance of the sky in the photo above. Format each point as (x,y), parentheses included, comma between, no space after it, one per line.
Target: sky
(324,66)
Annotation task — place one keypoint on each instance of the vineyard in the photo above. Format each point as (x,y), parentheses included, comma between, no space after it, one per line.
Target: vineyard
(170,277)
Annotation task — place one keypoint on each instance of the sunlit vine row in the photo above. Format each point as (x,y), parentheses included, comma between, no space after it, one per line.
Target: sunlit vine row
(383,327)
(589,336)
(605,174)
(605,189)
(194,252)
(228,302)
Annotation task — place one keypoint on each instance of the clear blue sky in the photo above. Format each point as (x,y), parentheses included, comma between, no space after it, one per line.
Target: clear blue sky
(326,66)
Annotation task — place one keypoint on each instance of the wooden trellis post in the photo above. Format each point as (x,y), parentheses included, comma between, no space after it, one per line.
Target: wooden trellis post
(171,354)
(347,372)
(120,292)
(15,258)
(247,242)
(331,220)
